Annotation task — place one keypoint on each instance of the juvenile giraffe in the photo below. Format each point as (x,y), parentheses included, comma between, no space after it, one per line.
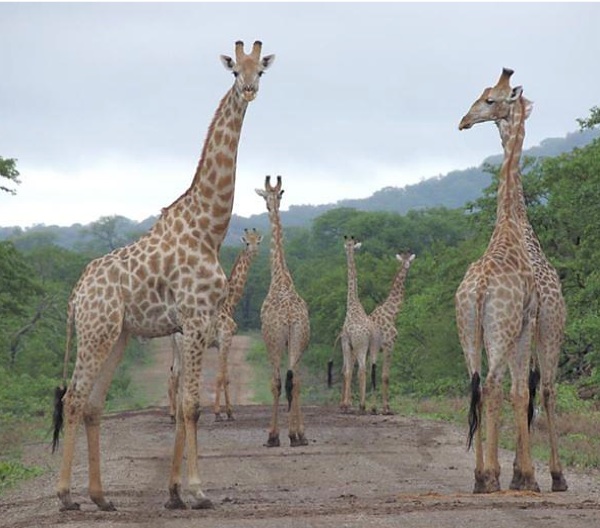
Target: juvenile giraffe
(383,318)
(357,336)
(226,327)
(285,325)
(168,281)
(551,315)
(496,305)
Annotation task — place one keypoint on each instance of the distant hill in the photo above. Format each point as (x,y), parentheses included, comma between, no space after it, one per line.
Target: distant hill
(452,190)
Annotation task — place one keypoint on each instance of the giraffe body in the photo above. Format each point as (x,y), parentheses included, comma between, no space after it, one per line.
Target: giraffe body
(169,281)
(285,325)
(357,336)
(225,330)
(550,318)
(383,319)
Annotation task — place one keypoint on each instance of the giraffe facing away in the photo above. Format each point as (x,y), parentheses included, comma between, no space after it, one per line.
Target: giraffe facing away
(168,281)
(226,328)
(496,305)
(357,336)
(383,318)
(551,315)
(285,325)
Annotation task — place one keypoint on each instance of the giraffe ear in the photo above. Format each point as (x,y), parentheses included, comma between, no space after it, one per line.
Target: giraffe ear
(412,257)
(267,61)
(260,192)
(357,245)
(228,62)
(516,92)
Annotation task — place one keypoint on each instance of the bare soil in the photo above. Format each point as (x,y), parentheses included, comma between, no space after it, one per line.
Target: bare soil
(357,471)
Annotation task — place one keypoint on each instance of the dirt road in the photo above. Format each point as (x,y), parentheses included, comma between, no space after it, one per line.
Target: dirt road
(357,471)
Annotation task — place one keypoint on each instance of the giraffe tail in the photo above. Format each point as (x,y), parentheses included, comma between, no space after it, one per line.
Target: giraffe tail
(59,392)
(289,385)
(374,376)
(330,363)
(474,408)
(57,416)
(330,373)
(534,379)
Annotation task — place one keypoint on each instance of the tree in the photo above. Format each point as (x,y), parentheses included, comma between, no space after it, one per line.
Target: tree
(8,170)
(591,121)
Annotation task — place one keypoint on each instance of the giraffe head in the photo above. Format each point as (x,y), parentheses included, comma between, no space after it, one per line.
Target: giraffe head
(272,195)
(252,239)
(247,69)
(496,103)
(405,258)
(351,244)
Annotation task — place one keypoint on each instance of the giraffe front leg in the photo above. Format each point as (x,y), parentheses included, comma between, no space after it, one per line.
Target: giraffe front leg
(175,501)
(219,386)
(194,350)
(348,367)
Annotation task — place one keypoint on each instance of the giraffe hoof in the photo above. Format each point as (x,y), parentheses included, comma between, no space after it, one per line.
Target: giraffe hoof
(107,506)
(73,506)
(298,440)
(559,483)
(273,441)
(203,504)
(230,418)
(175,503)
(218,417)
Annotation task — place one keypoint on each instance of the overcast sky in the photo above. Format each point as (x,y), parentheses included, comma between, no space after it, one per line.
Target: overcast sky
(106,106)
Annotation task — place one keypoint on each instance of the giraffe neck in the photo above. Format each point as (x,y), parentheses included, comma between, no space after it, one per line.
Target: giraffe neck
(352,296)
(237,281)
(511,203)
(279,270)
(392,303)
(205,208)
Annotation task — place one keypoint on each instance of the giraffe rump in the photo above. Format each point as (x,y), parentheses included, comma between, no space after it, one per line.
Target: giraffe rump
(474,408)
(57,416)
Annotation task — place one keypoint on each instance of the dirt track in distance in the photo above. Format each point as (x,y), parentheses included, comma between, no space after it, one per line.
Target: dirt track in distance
(357,471)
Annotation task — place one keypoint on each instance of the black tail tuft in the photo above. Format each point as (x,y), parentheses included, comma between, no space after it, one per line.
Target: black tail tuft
(534,379)
(374,376)
(57,416)
(289,385)
(474,408)
(330,373)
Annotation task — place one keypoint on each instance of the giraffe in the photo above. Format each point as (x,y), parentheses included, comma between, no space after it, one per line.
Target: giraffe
(226,327)
(551,315)
(284,324)
(169,280)
(496,303)
(357,335)
(383,319)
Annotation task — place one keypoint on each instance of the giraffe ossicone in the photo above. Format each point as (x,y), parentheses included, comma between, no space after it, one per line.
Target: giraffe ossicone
(168,281)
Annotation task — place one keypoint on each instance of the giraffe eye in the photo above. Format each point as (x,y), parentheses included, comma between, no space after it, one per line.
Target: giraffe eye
(235,74)
(260,73)
(489,101)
